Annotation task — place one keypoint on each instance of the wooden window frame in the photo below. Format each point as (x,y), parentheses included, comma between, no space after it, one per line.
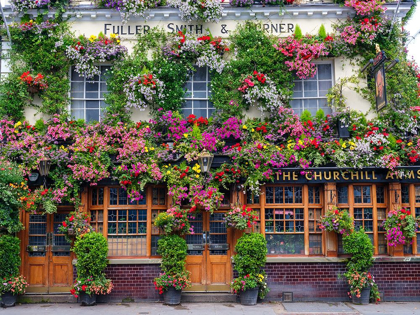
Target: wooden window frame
(412,204)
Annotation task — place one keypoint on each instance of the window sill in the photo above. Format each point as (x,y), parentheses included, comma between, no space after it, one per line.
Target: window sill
(127,261)
(312,259)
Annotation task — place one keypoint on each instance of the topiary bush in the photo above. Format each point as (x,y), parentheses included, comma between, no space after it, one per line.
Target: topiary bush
(173,250)
(9,256)
(360,247)
(251,254)
(91,250)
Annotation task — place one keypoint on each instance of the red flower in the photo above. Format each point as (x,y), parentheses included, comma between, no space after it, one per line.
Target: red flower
(71,218)
(64,224)
(84,287)
(399,141)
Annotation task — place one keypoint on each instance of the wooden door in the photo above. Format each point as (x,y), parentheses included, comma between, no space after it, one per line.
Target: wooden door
(209,252)
(47,257)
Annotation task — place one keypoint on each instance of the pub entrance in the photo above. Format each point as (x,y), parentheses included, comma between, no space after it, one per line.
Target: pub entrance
(209,252)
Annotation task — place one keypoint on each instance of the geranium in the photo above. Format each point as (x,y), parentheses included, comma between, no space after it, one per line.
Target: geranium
(337,220)
(360,280)
(178,281)
(16,285)
(400,227)
(240,218)
(302,55)
(259,89)
(244,283)
(143,90)
(35,83)
(204,10)
(87,52)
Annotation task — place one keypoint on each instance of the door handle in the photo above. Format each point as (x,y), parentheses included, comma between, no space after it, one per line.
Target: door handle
(206,237)
(50,238)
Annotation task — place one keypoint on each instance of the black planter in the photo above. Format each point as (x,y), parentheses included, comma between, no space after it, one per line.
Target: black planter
(8,299)
(249,297)
(219,159)
(343,130)
(232,141)
(87,300)
(364,297)
(172,296)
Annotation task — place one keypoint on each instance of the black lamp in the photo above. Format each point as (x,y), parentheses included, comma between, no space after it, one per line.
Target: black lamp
(205,159)
(44,169)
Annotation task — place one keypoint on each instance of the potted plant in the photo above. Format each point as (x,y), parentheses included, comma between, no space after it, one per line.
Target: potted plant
(400,228)
(337,220)
(174,277)
(91,250)
(240,217)
(251,254)
(361,282)
(12,284)
(75,224)
(173,221)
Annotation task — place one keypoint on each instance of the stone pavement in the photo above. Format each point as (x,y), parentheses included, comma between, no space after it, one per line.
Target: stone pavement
(298,308)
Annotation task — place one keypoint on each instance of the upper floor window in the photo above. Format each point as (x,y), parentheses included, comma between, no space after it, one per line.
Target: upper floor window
(198,93)
(311,93)
(88,95)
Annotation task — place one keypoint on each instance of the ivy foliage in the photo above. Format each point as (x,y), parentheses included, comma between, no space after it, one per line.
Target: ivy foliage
(91,250)
(359,245)
(9,256)
(251,254)
(173,250)
(254,52)
(37,52)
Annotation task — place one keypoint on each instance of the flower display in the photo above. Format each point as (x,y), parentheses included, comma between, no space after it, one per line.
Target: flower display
(174,220)
(89,285)
(25,5)
(35,83)
(240,218)
(337,220)
(143,90)
(360,280)
(178,281)
(204,10)
(302,54)
(85,52)
(244,283)
(16,285)
(259,89)
(76,224)
(400,227)
(129,8)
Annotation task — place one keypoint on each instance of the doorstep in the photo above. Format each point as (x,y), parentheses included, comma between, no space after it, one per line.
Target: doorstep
(46,298)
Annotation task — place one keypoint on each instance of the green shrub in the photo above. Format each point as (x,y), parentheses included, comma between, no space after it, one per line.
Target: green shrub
(251,254)
(173,250)
(359,245)
(322,33)
(305,116)
(298,32)
(9,256)
(91,250)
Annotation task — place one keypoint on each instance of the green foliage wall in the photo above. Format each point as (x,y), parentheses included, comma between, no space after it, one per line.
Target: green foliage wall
(9,256)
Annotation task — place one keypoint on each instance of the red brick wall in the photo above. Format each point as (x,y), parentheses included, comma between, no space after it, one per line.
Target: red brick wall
(398,281)
(320,281)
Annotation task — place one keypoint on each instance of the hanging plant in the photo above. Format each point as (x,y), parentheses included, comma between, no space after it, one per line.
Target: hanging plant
(240,218)
(143,90)
(129,8)
(86,52)
(35,84)
(203,10)
(260,89)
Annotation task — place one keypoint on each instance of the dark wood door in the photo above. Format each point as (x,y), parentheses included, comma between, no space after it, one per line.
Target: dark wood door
(47,261)
(209,252)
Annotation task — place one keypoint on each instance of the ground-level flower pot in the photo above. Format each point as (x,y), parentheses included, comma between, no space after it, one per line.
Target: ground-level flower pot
(364,297)
(8,299)
(87,300)
(249,297)
(172,296)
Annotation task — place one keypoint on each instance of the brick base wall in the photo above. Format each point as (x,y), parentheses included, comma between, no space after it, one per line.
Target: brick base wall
(321,281)
(399,281)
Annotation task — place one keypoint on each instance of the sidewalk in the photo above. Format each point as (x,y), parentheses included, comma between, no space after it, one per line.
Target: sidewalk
(308,308)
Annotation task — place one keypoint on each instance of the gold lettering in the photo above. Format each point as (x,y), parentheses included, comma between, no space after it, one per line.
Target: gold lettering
(308,176)
(278,175)
(329,175)
(295,176)
(286,175)
(367,175)
(411,175)
(374,175)
(344,175)
(318,175)
(354,175)
(418,174)
(336,175)
(389,175)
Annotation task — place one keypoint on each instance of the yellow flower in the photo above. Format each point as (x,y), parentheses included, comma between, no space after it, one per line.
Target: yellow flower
(352,148)
(265,147)
(197,176)
(92,38)
(118,41)
(252,130)
(166,166)
(244,127)
(168,172)
(18,124)
(185,135)
(410,144)
(152,148)
(113,35)
(344,145)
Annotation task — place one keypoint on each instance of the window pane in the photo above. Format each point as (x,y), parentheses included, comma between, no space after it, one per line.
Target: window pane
(75,76)
(77,89)
(310,88)
(77,113)
(200,74)
(297,90)
(92,115)
(324,72)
